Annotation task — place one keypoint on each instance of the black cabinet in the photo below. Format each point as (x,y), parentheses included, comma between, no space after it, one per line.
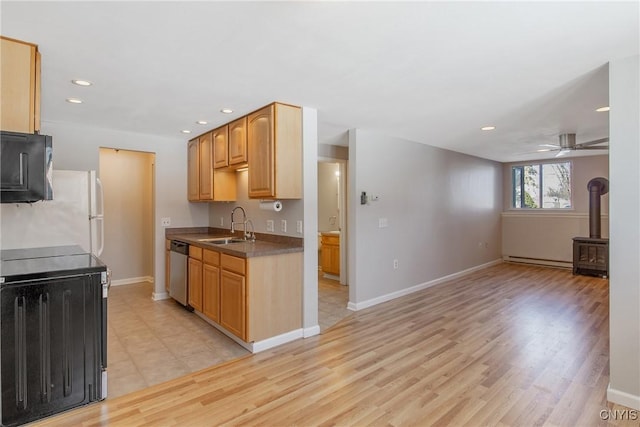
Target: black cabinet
(52,346)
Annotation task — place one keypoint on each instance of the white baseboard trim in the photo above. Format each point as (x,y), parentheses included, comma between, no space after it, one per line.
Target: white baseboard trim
(159,296)
(536,261)
(132,280)
(263,345)
(257,346)
(310,332)
(393,295)
(623,398)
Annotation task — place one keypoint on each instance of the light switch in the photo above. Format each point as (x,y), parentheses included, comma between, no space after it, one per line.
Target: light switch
(283,225)
(383,222)
(270,225)
(299,226)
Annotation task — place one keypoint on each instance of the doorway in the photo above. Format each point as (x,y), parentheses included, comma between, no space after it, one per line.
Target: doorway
(333,291)
(128,183)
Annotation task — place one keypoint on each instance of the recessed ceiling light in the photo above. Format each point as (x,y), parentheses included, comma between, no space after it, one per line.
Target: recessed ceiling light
(185,131)
(202,122)
(488,128)
(602,109)
(74,100)
(226,110)
(81,82)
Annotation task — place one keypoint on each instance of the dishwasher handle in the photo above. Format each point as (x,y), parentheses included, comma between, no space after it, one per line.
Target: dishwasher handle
(180,247)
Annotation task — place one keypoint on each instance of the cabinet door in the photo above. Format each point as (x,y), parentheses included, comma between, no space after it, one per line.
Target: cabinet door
(233,303)
(195,284)
(206,167)
(20,86)
(238,141)
(211,292)
(261,151)
(193,171)
(220,142)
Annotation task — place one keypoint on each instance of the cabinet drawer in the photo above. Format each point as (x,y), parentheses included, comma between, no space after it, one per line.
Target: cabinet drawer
(195,252)
(211,257)
(233,263)
(330,240)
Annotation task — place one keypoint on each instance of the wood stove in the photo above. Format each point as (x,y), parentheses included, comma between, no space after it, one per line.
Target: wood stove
(591,254)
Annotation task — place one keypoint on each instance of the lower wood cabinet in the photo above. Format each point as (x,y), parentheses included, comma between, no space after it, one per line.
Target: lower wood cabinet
(330,254)
(253,298)
(195,284)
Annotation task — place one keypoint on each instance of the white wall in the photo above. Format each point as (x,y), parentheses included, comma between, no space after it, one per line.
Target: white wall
(77,147)
(328,191)
(547,235)
(624,285)
(127,179)
(441,207)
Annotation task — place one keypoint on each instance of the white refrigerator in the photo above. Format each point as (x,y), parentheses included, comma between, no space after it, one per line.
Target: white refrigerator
(73,217)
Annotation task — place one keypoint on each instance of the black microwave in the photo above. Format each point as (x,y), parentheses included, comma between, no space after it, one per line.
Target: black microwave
(25,167)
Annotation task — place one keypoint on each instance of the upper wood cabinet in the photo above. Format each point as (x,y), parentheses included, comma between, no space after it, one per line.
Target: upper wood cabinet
(274,136)
(220,144)
(205,189)
(20,83)
(193,170)
(237,152)
(204,183)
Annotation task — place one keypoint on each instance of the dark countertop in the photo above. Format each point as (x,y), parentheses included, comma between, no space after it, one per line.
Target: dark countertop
(264,245)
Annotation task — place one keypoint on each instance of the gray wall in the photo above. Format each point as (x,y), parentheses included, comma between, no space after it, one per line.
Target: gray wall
(624,297)
(442,208)
(77,147)
(292,211)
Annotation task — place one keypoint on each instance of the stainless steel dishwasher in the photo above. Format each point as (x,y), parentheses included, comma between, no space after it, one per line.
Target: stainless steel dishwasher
(179,258)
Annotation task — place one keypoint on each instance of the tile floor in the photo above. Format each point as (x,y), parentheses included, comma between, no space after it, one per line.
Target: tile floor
(150,342)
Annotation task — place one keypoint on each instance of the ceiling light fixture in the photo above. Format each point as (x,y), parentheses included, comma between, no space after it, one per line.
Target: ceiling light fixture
(185,131)
(488,128)
(602,109)
(226,111)
(74,100)
(81,82)
(202,122)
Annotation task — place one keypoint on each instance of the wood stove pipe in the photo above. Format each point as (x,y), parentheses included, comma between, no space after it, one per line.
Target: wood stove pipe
(597,187)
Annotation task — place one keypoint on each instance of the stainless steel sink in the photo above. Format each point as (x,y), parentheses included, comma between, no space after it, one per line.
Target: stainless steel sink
(222,240)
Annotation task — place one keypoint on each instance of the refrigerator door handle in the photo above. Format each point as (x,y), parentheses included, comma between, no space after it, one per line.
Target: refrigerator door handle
(99,216)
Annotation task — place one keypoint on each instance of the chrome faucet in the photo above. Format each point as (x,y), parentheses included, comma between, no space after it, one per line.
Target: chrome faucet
(252,235)
(244,220)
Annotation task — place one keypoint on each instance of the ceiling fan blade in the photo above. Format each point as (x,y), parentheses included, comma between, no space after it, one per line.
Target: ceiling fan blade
(594,142)
(562,152)
(549,145)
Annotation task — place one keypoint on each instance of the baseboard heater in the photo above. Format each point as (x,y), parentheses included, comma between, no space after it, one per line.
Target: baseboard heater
(538,261)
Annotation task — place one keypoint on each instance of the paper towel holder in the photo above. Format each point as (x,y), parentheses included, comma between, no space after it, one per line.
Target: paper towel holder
(271,205)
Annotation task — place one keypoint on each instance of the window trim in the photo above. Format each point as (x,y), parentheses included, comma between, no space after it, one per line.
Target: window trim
(540,163)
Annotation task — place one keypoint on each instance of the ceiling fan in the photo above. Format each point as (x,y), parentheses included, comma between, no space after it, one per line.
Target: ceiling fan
(567,143)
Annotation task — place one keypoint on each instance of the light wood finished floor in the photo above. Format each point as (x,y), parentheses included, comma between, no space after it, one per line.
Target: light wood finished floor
(509,346)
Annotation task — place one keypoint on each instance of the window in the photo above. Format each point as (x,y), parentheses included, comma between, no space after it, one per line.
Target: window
(542,186)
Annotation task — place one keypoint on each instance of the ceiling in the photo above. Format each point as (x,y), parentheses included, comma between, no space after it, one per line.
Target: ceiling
(431,72)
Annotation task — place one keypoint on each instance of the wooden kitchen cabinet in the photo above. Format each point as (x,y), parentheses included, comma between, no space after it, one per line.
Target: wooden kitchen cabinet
(211,285)
(233,302)
(193,170)
(274,137)
(237,153)
(330,254)
(20,83)
(220,147)
(195,281)
(204,183)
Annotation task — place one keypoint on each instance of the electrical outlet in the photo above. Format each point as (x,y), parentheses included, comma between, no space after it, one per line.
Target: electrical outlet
(395,264)
(221,221)
(299,226)
(283,225)
(270,225)
(166,222)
